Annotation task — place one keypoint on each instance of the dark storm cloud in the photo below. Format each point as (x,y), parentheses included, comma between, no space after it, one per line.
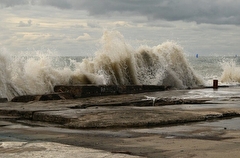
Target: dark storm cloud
(200,11)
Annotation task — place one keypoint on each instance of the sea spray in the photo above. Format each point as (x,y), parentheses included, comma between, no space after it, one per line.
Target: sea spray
(4,73)
(178,72)
(118,63)
(115,63)
(231,72)
(35,74)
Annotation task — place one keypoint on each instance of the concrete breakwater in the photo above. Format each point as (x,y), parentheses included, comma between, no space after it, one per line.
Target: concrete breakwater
(116,111)
(82,91)
(108,123)
(125,110)
(102,90)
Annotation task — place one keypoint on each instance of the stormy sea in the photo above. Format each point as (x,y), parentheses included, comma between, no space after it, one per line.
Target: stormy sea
(115,63)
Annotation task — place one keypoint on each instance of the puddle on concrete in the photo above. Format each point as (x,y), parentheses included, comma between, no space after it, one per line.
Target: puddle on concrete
(230,124)
(201,106)
(58,130)
(211,130)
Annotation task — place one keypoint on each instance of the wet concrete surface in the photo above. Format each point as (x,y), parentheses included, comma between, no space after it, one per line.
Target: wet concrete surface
(209,129)
(218,138)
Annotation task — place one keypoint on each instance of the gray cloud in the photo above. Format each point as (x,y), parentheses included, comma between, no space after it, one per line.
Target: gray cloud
(66,25)
(204,11)
(9,3)
(23,24)
(62,4)
(93,24)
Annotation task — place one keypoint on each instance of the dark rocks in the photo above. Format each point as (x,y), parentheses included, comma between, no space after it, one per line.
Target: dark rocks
(3,100)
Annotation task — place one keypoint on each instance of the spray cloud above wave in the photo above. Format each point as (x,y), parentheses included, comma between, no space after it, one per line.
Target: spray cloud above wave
(116,63)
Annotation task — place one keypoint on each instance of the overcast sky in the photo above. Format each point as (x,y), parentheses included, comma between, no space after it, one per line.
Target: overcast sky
(74,27)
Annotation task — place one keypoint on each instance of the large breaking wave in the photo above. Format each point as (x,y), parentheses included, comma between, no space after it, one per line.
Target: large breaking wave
(116,63)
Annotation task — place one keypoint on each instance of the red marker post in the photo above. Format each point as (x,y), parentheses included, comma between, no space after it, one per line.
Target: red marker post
(215,84)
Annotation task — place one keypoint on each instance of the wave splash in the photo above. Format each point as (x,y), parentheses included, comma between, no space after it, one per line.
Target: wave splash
(119,64)
(116,63)
(22,75)
(231,72)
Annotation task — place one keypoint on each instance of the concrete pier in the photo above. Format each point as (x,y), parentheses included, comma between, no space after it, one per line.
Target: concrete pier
(83,91)
(80,91)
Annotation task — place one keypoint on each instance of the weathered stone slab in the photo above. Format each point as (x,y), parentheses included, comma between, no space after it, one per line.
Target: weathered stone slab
(23,114)
(117,111)
(82,91)
(56,117)
(111,104)
(133,89)
(87,90)
(79,91)
(44,97)
(142,102)
(55,96)
(25,98)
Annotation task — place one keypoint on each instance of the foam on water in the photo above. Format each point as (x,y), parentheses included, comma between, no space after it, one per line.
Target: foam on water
(116,63)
